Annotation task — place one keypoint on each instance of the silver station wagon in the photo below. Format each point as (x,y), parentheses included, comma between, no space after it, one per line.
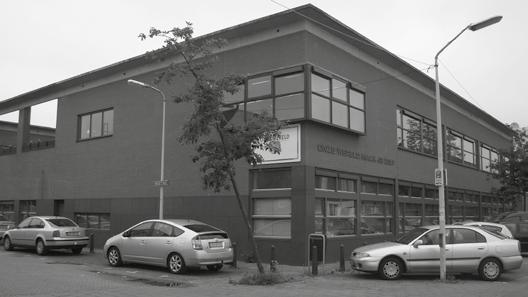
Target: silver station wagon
(45,233)
(468,250)
(175,244)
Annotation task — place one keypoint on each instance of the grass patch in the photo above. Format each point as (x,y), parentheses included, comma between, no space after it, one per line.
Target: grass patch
(263,279)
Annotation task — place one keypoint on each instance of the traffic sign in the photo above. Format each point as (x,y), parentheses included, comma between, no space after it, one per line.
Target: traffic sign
(161,183)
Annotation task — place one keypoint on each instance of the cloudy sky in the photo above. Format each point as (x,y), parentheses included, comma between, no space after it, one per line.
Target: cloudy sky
(43,42)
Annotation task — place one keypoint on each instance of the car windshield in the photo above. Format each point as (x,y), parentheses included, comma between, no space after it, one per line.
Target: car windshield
(411,235)
(62,222)
(199,228)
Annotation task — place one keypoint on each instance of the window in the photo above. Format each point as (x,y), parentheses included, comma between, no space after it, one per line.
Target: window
(236,97)
(289,107)
(430,214)
(7,210)
(320,108)
(431,238)
(99,221)
(347,185)
(456,213)
(27,208)
(467,236)
(272,179)
(272,217)
(325,182)
(415,132)
(461,149)
(259,86)
(96,124)
(376,217)
(369,187)
(142,230)
(165,230)
(260,106)
(410,216)
(290,83)
(335,217)
(489,159)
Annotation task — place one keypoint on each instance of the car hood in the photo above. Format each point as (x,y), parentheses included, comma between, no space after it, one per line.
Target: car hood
(378,246)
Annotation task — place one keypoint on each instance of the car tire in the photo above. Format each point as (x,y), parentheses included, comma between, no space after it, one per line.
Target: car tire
(215,267)
(114,257)
(40,247)
(390,268)
(176,263)
(8,246)
(77,250)
(490,269)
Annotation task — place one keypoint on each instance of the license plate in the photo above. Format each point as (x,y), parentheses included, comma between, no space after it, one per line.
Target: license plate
(216,244)
(72,233)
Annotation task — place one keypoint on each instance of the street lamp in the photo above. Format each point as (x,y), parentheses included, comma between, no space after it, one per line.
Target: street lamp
(439,172)
(162,182)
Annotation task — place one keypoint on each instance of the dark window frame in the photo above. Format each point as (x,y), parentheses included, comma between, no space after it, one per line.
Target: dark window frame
(102,112)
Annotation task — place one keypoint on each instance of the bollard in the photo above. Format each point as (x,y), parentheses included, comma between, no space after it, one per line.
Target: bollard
(92,239)
(341,258)
(273,260)
(235,256)
(314,261)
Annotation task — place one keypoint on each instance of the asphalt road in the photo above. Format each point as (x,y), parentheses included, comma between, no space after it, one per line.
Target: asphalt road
(23,273)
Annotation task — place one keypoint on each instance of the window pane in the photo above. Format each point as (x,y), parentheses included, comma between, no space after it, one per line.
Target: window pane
(411,124)
(386,189)
(416,191)
(325,182)
(289,107)
(238,96)
(105,221)
(289,83)
(260,106)
(272,227)
(339,114)
(108,122)
(404,190)
(320,85)
(272,207)
(340,226)
(372,208)
(369,187)
(357,99)
(96,127)
(320,108)
(339,90)
(340,208)
(85,127)
(347,185)
(259,86)
(357,120)
(272,179)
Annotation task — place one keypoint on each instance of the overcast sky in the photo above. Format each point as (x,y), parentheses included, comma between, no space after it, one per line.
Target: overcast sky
(43,42)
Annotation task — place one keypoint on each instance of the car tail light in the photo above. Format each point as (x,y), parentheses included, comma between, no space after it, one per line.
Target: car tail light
(227,243)
(56,233)
(197,243)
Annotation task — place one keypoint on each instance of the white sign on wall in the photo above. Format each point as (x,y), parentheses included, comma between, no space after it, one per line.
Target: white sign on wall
(290,144)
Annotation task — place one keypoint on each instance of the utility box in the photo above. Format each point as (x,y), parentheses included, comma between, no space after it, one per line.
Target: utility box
(319,240)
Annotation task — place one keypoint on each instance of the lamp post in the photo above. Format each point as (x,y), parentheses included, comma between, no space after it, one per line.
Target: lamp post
(162,182)
(439,172)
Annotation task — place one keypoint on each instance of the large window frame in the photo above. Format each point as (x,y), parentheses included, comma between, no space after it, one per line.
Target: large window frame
(272,217)
(415,132)
(95,124)
(489,159)
(461,149)
(95,221)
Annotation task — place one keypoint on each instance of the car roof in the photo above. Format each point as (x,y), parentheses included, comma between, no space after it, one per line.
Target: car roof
(484,223)
(50,217)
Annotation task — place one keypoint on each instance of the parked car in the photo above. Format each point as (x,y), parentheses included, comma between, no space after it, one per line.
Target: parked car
(517,222)
(468,250)
(5,225)
(175,244)
(493,227)
(45,233)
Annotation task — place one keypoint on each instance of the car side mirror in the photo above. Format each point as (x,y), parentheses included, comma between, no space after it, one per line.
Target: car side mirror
(126,234)
(418,243)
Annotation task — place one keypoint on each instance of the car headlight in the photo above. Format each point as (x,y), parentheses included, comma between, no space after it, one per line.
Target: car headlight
(361,255)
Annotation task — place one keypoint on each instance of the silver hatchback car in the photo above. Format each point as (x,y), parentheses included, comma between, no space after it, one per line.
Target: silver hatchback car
(175,244)
(468,250)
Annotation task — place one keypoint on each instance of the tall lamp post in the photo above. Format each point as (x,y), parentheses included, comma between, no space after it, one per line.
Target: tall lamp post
(439,172)
(162,182)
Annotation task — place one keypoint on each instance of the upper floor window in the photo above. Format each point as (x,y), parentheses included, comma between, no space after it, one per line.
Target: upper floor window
(489,159)
(415,132)
(272,179)
(96,124)
(461,149)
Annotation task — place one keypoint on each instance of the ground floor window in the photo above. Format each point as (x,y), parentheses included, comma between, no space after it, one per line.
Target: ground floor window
(335,217)
(27,208)
(272,217)
(7,211)
(376,217)
(410,216)
(99,221)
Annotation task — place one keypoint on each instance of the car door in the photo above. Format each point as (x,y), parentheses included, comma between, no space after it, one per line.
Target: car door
(134,243)
(426,256)
(469,247)
(16,235)
(161,243)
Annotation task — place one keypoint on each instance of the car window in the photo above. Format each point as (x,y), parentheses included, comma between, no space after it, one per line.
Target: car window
(491,228)
(62,222)
(162,230)
(198,228)
(411,235)
(467,236)
(142,230)
(24,223)
(36,223)
(431,238)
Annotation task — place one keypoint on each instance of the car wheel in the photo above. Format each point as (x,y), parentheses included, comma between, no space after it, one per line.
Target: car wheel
(76,250)
(40,247)
(176,263)
(390,268)
(7,244)
(114,257)
(490,269)
(215,267)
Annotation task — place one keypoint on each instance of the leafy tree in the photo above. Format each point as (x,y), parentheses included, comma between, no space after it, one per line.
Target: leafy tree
(513,170)
(219,141)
